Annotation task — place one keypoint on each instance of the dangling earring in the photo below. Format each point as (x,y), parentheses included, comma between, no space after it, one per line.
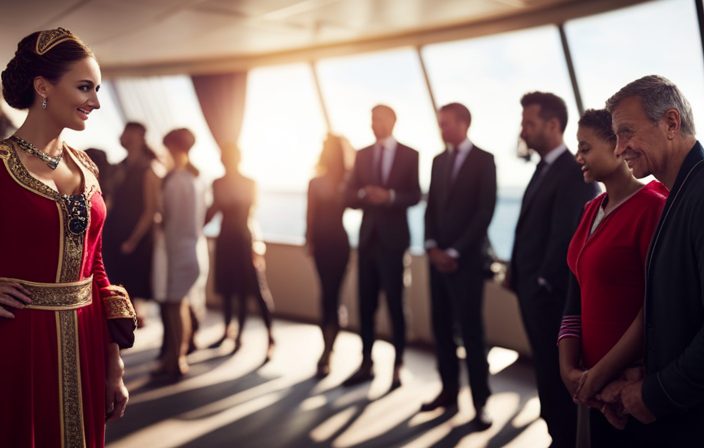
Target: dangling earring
(44,103)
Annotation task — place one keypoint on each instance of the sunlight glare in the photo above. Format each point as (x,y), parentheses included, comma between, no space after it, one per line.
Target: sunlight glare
(499,358)
(313,403)
(529,413)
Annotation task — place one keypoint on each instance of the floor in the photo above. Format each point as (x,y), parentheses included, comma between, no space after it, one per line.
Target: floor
(240,401)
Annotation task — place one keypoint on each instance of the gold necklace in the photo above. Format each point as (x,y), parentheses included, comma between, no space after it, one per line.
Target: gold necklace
(51,161)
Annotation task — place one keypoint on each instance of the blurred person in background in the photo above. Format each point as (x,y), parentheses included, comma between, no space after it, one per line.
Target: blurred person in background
(326,238)
(461,203)
(106,172)
(383,184)
(239,269)
(538,273)
(128,240)
(181,253)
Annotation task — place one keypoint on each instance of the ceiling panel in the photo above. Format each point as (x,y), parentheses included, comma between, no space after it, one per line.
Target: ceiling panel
(138,33)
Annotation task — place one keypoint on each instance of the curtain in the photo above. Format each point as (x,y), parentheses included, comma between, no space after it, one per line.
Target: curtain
(222,100)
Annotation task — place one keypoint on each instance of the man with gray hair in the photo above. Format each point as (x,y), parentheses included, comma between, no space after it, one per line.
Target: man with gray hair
(655,130)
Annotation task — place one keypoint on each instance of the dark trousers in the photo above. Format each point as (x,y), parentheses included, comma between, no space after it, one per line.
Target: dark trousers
(457,304)
(381,269)
(542,315)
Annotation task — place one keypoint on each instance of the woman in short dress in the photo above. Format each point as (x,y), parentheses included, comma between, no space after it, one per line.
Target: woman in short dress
(239,271)
(326,239)
(181,253)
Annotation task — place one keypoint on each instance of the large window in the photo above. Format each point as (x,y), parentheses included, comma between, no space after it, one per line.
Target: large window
(612,49)
(352,85)
(489,75)
(282,135)
(165,103)
(284,126)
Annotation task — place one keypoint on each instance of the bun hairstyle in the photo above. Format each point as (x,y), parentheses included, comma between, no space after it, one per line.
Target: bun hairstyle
(181,140)
(49,54)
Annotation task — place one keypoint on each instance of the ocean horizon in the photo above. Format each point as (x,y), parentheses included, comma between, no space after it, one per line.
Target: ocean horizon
(281,218)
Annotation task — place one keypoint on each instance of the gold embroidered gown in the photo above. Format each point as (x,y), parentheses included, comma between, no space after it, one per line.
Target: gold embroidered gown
(52,355)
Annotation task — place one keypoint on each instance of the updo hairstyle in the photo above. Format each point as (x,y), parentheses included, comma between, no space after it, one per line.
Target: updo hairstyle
(181,140)
(27,64)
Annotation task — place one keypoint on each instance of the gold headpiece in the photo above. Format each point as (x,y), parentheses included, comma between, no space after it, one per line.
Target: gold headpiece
(51,38)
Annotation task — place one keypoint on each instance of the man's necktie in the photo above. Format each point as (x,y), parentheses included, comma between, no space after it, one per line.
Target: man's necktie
(379,168)
(533,184)
(452,158)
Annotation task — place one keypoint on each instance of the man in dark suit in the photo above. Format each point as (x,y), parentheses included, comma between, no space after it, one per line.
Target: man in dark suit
(551,207)
(384,183)
(461,204)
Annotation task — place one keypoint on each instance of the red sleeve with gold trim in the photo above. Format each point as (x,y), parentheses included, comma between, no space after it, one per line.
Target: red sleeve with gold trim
(117,306)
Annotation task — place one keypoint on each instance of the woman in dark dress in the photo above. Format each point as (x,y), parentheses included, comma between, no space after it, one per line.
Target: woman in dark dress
(238,270)
(326,239)
(127,237)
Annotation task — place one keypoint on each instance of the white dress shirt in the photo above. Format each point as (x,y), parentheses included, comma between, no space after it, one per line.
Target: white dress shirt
(463,150)
(387,162)
(390,145)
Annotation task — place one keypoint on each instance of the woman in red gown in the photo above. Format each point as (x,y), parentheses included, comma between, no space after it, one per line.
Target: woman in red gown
(61,322)
(602,328)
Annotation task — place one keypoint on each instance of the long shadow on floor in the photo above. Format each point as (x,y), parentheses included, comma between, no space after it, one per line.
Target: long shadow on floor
(143,414)
(277,415)
(505,381)
(286,424)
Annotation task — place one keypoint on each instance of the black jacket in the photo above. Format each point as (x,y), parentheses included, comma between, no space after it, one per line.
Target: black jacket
(545,227)
(458,217)
(389,221)
(674,301)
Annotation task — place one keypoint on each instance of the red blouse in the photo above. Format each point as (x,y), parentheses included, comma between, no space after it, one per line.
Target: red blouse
(610,267)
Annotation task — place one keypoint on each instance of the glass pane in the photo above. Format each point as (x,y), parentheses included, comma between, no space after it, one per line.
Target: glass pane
(489,75)
(351,86)
(662,37)
(282,135)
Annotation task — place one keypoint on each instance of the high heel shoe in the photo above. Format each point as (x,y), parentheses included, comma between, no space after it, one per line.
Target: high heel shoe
(270,350)
(238,346)
(323,366)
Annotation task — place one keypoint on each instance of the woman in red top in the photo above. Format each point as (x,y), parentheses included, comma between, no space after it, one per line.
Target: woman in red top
(602,328)
(62,323)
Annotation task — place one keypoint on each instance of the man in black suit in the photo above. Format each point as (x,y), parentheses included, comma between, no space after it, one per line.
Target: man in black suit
(550,211)
(384,183)
(461,204)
